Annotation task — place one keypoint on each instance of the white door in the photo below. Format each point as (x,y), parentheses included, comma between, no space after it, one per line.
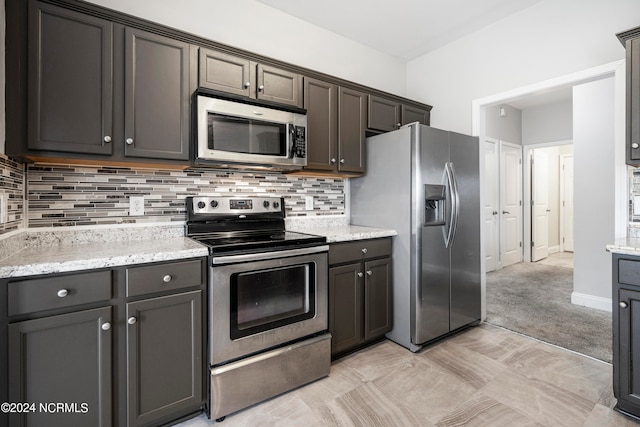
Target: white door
(510,203)
(490,204)
(540,205)
(566,207)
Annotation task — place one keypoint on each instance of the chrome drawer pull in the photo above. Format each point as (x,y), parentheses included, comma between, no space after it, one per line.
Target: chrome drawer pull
(623,304)
(369,272)
(364,250)
(63,293)
(132,320)
(167,278)
(106,326)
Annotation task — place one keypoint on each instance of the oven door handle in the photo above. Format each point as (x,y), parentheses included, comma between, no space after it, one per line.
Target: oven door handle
(232,259)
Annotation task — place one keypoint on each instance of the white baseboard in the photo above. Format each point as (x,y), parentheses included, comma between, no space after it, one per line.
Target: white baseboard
(591,301)
(554,249)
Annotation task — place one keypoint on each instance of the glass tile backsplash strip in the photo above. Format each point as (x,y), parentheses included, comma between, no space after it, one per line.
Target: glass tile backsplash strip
(12,191)
(62,195)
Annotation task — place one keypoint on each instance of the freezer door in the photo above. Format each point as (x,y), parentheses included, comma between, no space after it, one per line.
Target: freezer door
(465,249)
(431,298)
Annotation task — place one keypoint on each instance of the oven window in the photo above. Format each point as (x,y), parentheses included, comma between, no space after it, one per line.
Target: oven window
(241,135)
(267,299)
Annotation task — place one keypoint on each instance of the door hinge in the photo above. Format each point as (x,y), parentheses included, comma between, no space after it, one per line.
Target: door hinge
(520,244)
(563,240)
(532,244)
(520,202)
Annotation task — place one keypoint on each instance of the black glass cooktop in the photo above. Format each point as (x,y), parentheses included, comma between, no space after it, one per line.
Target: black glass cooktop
(269,240)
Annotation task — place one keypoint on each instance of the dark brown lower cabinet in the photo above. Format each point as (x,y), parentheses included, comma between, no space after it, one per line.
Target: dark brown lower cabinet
(359,293)
(107,348)
(164,363)
(626,333)
(62,360)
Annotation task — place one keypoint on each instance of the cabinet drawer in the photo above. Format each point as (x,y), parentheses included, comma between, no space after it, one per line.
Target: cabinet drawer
(359,250)
(27,296)
(629,272)
(163,277)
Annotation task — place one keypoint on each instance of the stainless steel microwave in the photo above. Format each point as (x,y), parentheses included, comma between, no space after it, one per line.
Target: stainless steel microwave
(232,133)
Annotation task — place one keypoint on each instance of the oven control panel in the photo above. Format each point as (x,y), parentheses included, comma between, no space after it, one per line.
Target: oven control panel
(234,205)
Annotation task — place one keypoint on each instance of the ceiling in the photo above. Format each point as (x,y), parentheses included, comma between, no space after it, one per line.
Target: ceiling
(408,29)
(403,28)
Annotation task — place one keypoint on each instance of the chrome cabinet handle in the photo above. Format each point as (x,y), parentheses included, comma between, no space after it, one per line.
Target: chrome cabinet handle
(261,88)
(635,145)
(132,320)
(333,160)
(167,278)
(247,84)
(398,124)
(364,250)
(106,326)
(360,274)
(129,141)
(63,293)
(623,304)
(107,138)
(369,272)
(342,161)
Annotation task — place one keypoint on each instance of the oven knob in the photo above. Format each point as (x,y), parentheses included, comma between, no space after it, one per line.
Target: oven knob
(214,204)
(265,203)
(276,205)
(201,205)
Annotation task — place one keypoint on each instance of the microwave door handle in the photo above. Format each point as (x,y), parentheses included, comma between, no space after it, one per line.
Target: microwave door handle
(291,129)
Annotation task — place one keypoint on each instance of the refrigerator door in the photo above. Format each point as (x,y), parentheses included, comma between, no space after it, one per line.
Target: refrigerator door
(465,248)
(431,293)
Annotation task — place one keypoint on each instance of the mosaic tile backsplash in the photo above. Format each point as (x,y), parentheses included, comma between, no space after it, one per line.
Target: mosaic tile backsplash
(61,195)
(12,186)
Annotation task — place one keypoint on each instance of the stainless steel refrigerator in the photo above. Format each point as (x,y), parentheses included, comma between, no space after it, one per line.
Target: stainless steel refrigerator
(424,183)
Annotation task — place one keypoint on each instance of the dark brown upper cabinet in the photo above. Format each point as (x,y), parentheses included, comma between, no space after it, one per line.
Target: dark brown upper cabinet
(240,76)
(336,119)
(156,123)
(387,114)
(74,101)
(321,103)
(352,120)
(70,91)
(631,41)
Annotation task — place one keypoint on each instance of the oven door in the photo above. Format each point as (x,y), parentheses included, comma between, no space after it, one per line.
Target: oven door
(260,301)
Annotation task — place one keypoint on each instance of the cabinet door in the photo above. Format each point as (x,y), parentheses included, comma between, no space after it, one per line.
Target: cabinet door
(414,114)
(633,101)
(277,85)
(345,307)
(164,356)
(352,113)
(226,73)
(156,96)
(70,97)
(628,346)
(383,114)
(377,298)
(320,100)
(65,359)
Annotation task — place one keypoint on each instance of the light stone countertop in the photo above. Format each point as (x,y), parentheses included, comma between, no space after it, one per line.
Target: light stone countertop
(345,233)
(44,252)
(626,246)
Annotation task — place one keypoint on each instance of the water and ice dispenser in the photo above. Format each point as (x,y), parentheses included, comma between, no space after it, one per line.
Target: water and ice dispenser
(434,212)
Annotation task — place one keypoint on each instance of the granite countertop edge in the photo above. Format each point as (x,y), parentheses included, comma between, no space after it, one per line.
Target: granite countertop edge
(346,233)
(625,246)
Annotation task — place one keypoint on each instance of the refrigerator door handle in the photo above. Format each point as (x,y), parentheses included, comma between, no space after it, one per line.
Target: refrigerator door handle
(455,201)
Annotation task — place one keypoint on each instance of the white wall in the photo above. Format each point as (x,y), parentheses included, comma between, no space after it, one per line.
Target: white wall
(506,126)
(547,123)
(594,181)
(258,28)
(551,38)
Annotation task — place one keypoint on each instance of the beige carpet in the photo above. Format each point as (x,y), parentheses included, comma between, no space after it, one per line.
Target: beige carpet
(534,299)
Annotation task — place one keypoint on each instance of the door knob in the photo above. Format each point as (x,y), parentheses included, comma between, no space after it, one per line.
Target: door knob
(505,212)
(494,213)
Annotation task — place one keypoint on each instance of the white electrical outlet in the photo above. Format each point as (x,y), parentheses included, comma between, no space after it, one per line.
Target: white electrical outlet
(4,211)
(136,205)
(308,203)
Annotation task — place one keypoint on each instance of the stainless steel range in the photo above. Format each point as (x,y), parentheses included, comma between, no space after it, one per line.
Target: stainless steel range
(268,309)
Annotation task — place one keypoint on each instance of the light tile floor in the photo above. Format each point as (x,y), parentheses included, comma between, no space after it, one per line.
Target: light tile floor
(558,259)
(485,376)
